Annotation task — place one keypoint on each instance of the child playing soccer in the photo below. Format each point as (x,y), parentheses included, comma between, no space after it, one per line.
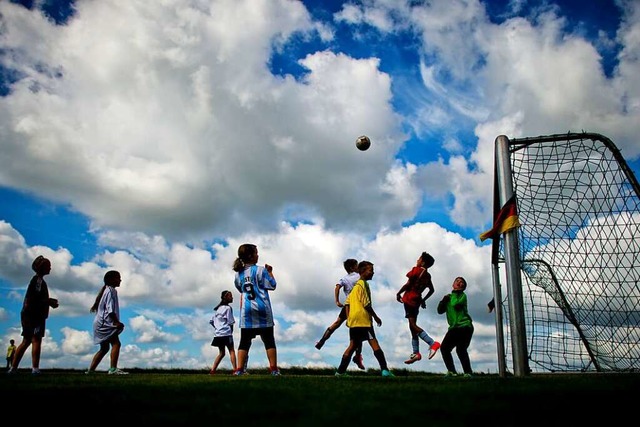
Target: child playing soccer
(460,330)
(359,320)
(346,283)
(410,294)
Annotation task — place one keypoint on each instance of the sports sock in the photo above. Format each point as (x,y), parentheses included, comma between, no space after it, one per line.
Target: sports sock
(344,363)
(379,354)
(426,338)
(326,335)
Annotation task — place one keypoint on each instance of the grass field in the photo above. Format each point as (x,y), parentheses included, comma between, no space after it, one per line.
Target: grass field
(316,398)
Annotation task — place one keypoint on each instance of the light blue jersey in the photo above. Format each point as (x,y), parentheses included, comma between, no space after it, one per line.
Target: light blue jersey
(254,282)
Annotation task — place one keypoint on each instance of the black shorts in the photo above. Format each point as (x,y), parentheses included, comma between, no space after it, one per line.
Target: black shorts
(248,334)
(32,327)
(361,334)
(226,341)
(411,311)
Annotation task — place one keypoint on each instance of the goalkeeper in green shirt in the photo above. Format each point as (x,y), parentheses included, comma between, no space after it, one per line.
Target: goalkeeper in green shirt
(460,330)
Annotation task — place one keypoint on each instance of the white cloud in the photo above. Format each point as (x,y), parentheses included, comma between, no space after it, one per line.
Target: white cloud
(157,126)
(148,331)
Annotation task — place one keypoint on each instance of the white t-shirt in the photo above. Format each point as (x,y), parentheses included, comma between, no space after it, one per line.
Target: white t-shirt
(222,321)
(103,326)
(348,282)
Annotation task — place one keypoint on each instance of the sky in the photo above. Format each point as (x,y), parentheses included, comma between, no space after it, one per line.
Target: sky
(155,138)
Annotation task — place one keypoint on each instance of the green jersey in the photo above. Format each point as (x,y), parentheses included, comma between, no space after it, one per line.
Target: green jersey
(456,309)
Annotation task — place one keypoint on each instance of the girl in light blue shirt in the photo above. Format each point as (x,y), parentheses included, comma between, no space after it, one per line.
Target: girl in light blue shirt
(256,317)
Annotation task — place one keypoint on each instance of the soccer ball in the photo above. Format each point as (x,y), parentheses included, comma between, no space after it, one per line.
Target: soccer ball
(363,143)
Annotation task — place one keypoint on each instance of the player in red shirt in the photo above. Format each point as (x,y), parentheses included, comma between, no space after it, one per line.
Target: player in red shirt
(410,294)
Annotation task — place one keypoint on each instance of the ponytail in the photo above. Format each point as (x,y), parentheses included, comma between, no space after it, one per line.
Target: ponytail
(96,303)
(246,251)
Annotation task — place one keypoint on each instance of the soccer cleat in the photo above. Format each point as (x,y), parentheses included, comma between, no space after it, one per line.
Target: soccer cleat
(467,376)
(387,373)
(357,359)
(275,373)
(434,349)
(212,372)
(11,371)
(88,372)
(338,374)
(413,358)
(116,371)
(319,344)
(35,371)
(450,374)
(240,372)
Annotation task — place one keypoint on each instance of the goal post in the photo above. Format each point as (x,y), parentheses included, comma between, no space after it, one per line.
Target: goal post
(572,263)
(512,260)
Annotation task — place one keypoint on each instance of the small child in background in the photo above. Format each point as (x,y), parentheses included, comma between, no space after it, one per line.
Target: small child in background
(460,330)
(222,322)
(410,294)
(10,352)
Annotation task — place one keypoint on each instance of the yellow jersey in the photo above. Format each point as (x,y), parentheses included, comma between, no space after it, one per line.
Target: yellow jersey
(358,300)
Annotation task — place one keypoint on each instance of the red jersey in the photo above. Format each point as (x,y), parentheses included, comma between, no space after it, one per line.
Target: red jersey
(418,279)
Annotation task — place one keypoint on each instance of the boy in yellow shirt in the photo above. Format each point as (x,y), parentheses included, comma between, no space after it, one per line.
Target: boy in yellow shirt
(359,320)
(11,350)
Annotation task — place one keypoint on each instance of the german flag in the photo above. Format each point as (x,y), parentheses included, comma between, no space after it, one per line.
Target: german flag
(507,219)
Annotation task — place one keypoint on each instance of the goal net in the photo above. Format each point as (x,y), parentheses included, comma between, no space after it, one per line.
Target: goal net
(578,246)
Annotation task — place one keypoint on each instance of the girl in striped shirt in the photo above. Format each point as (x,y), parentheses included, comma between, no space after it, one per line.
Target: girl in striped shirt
(256,318)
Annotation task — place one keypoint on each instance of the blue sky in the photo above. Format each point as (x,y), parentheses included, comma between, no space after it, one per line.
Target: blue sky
(156,137)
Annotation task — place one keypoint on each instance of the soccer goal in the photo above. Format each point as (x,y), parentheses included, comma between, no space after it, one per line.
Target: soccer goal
(572,264)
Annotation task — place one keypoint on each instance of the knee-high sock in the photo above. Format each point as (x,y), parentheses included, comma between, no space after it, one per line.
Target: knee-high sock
(379,354)
(426,338)
(344,363)
(326,335)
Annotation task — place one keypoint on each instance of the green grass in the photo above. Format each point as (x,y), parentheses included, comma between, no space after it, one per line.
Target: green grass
(316,398)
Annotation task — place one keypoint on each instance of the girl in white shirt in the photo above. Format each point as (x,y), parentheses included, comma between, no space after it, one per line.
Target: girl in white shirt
(222,322)
(107,326)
